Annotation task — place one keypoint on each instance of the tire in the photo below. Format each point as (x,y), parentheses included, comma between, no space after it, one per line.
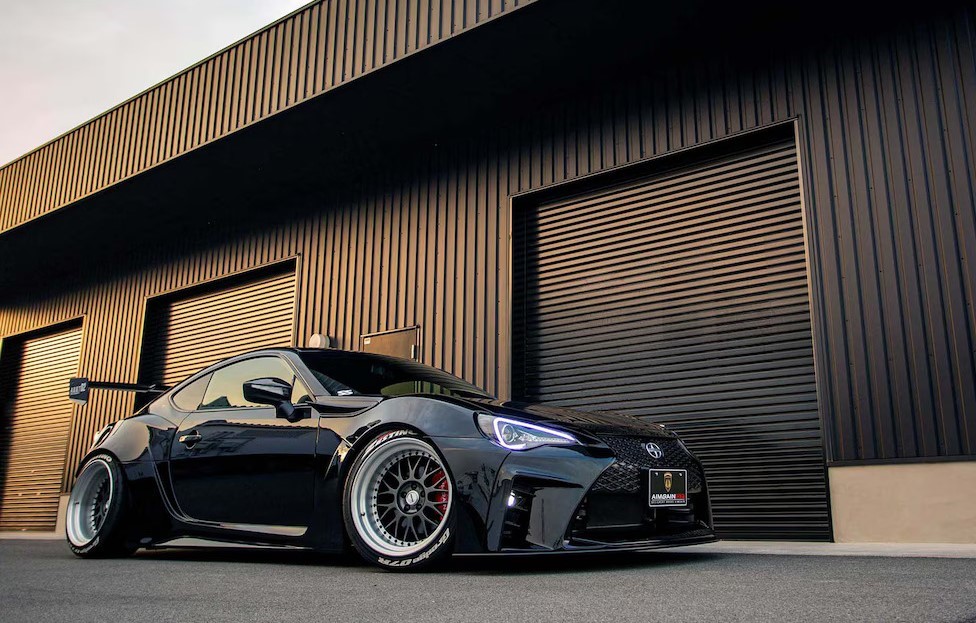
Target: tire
(398,503)
(97,507)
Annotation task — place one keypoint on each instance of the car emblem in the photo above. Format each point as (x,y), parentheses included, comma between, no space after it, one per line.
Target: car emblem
(667,482)
(654,450)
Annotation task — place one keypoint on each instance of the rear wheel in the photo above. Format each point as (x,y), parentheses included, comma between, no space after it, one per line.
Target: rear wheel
(399,503)
(95,510)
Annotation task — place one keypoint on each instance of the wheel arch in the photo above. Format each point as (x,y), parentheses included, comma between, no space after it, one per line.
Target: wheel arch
(92,453)
(131,440)
(359,445)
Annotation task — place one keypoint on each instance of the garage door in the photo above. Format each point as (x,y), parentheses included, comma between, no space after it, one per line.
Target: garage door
(186,334)
(683,299)
(36,423)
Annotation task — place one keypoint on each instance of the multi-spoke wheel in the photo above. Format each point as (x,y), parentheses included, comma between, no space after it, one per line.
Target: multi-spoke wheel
(94,509)
(398,501)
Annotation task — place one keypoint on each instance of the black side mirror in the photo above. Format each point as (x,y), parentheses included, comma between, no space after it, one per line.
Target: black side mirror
(274,392)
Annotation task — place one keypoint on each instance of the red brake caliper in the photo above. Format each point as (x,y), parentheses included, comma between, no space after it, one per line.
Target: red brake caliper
(440,498)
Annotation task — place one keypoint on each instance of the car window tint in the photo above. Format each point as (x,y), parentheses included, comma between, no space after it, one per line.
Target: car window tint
(226,389)
(190,396)
(363,373)
(413,387)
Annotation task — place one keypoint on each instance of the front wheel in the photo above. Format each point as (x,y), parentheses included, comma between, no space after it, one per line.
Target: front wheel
(95,510)
(399,503)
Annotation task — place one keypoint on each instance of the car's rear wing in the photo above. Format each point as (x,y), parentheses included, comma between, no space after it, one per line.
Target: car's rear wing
(78,388)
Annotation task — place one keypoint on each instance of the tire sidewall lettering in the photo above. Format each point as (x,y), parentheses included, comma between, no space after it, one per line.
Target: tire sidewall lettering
(91,545)
(422,556)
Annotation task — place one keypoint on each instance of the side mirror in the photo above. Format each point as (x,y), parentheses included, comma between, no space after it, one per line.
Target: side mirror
(274,392)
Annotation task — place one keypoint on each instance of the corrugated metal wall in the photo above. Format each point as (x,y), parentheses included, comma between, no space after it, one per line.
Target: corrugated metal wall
(307,53)
(890,129)
(887,137)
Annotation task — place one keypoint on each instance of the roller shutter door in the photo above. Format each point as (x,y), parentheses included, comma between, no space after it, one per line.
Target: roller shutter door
(36,423)
(187,334)
(683,299)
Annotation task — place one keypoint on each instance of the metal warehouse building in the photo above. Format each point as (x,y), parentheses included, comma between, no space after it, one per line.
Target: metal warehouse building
(755,223)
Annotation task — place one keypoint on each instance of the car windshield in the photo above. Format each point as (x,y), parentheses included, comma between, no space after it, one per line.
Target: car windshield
(347,374)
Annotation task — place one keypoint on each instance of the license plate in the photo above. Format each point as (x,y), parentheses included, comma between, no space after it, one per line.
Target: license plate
(668,487)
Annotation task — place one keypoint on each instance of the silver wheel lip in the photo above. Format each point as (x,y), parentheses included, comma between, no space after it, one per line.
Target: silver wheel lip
(82,495)
(361,499)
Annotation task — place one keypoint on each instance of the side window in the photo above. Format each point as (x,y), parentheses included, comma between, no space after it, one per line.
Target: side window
(188,398)
(226,389)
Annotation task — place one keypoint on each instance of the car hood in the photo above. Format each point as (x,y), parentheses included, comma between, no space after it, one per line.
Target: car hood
(599,424)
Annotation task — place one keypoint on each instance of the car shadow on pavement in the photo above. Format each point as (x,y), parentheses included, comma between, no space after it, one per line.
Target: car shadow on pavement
(574,563)
(476,565)
(248,555)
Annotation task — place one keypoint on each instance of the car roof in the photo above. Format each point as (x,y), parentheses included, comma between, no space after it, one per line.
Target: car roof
(328,352)
(321,351)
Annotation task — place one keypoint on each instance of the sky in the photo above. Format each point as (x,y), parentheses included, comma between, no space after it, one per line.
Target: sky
(63,62)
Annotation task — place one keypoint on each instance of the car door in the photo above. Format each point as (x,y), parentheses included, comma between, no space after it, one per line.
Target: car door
(236,462)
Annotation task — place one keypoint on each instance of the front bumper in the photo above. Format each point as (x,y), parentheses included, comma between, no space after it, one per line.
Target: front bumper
(593,498)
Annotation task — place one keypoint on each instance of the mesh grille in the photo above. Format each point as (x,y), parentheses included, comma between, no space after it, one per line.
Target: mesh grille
(625,476)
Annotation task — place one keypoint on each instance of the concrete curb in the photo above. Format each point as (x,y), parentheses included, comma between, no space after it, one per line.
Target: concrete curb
(32,536)
(887,550)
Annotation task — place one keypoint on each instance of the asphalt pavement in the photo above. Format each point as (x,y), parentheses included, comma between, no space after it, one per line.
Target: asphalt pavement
(41,582)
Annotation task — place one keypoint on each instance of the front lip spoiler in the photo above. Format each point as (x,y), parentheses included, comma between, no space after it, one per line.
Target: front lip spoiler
(598,546)
(604,548)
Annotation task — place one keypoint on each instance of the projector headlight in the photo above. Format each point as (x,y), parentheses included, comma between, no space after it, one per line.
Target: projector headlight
(517,435)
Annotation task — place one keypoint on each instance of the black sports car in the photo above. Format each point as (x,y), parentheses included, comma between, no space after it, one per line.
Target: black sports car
(319,448)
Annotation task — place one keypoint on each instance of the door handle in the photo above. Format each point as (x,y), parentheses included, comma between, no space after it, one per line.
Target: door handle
(191,439)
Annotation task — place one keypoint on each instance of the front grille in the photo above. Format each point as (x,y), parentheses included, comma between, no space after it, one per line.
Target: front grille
(620,477)
(628,472)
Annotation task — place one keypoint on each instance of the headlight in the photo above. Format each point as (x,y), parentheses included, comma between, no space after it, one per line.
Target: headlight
(517,435)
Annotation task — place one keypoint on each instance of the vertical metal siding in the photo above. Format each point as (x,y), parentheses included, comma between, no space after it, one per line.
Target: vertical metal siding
(889,128)
(886,136)
(301,56)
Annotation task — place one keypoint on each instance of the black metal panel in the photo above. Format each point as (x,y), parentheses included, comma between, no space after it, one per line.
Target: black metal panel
(683,298)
